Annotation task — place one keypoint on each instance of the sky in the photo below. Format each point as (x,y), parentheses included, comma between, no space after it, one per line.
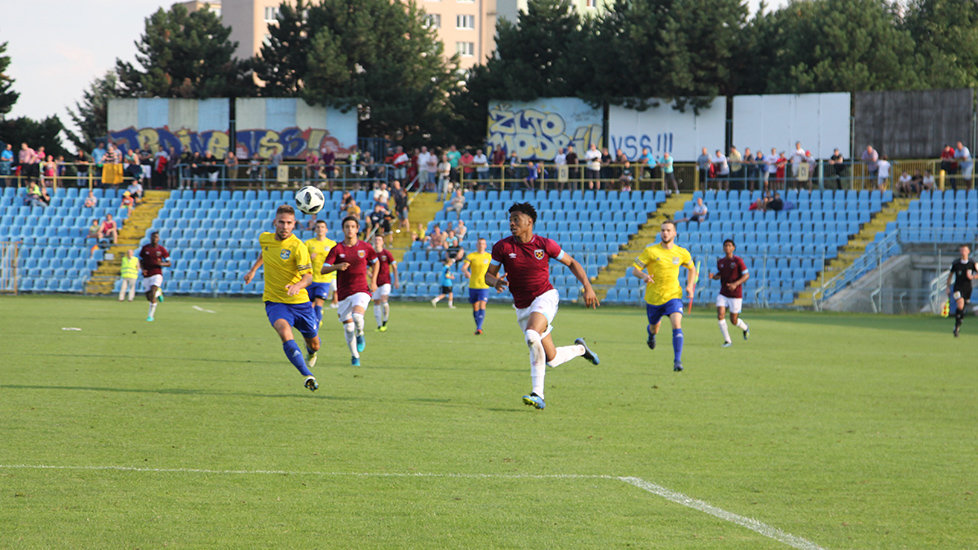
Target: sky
(58,47)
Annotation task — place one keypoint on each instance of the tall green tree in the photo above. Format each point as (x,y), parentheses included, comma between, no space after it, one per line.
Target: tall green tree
(184,54)
(36,133)
(946,36)
(682,50)
(282,61)
(375,56)
(831,46)
(7,96)
(91,114)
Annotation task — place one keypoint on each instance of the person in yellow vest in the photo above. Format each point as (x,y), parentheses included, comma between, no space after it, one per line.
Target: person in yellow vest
(130,270)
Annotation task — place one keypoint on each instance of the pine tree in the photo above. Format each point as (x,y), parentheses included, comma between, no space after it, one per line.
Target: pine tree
(946,36)
(184,55)
(91,114)
(7,96)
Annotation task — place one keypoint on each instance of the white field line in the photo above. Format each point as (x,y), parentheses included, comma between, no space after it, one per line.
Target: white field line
(198,308)
(668,494)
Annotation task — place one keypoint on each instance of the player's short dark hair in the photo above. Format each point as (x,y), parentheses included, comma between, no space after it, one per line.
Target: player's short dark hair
(672,223)
(351,218)
(285,209)
(320,222)
(525,208)
(733,244)
(154,234)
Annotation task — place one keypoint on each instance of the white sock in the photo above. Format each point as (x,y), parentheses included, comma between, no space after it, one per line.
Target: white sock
(450,300)
(741,324)
(387,311)
(378,313)
(358,322)
(349,331)
(538,360)
(152,309)
(724,331)
(565,354)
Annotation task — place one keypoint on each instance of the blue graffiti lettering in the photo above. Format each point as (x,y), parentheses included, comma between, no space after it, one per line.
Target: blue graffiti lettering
(292,142)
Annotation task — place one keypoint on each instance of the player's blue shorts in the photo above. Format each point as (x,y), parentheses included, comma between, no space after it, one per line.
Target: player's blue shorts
(318,290)
(300,316)
(478,295)
(656,313)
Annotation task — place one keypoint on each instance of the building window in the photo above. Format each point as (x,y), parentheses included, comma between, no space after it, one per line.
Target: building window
(266,39)
(591,3)
(464,21)
(432,20)
(271,14)
(465,49)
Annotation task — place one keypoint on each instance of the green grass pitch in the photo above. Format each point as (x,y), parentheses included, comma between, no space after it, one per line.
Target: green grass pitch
(838,431)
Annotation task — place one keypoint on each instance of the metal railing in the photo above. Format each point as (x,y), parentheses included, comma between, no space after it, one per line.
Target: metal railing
(873,258)
(9,275)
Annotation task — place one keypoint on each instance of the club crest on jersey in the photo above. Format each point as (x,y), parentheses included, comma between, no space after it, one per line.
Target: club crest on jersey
(285,254)
(361,253)
(675,260)
(538,254)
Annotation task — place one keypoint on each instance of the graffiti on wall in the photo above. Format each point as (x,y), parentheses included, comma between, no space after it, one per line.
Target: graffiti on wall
(537,134)
(291,142)
(632,145)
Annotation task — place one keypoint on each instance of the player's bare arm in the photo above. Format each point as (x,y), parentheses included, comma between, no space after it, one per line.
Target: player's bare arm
(465,270)
(397,278)
(373,271)
(691,280)
(329,268)
(254,269)
(646,277)
(738,282)
(298,287)
(493,279)
(590,298)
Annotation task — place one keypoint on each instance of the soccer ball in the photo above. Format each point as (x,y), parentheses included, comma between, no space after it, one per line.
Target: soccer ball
(310,200)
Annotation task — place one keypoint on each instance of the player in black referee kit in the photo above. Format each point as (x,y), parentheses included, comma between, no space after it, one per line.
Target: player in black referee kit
(963,270)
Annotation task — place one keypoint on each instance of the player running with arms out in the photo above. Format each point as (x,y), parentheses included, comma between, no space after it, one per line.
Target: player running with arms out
(385,266)
(288,271)
(475,267)
(663,295)
(153,258)
(963,271)
(350,260)
(732,274)
(319,288)
(526,259)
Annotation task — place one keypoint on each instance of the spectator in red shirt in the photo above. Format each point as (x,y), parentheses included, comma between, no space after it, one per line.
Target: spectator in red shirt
(109,229)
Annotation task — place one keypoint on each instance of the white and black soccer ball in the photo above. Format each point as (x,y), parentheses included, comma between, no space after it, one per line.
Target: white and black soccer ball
(309,200)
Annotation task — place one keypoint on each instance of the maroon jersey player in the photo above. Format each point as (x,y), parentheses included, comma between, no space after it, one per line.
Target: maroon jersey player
(732,273)
(385,266)
(525,257)
(152,259)
(352,260)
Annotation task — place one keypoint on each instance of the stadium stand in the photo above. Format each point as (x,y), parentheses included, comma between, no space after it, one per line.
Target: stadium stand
(949,217)
(783,250)
(55,251)
(589,225)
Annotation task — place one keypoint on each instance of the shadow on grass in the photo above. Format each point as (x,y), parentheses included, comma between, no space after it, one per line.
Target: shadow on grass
(175,391)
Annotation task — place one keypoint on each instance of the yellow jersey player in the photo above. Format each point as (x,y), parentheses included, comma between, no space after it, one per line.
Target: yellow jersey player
(288,271)
(475,267)
(663,294)
(321,284)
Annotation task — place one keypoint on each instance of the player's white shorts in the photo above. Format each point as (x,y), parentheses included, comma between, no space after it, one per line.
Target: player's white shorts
(733,305)
(546,304)
(151,281)
(382,290)
(345,311)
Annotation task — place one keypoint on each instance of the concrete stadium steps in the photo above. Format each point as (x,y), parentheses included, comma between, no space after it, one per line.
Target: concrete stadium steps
(855,248)
(646,235)
(423,208)
(103,279)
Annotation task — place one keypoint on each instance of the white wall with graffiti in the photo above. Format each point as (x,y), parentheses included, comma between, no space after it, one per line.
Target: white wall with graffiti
(661,128)
(536,129)
(265,126)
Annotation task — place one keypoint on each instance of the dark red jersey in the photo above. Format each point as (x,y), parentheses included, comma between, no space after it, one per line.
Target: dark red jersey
(150,258)
(354,279)
(730,270)
(527,266)
(384,261)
